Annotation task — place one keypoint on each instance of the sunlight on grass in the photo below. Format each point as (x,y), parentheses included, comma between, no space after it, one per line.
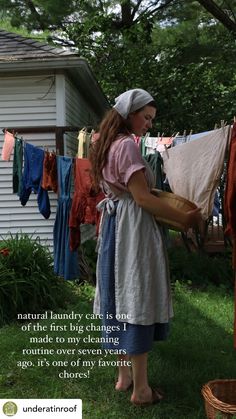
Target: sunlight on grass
(200,349)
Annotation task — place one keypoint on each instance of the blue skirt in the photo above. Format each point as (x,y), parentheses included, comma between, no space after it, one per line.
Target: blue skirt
(131,338)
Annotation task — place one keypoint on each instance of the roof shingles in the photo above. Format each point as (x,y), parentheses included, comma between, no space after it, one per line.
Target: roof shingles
(15,47)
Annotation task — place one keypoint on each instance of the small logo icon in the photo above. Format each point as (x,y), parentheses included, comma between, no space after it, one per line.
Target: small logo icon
(9,408)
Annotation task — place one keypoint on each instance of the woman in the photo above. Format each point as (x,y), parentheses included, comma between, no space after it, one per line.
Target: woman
(133,287)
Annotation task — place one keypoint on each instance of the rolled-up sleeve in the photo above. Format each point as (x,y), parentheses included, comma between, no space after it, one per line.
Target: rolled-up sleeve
(129,160)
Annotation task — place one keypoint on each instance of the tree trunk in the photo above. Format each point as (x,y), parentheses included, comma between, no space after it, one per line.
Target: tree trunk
(126,14)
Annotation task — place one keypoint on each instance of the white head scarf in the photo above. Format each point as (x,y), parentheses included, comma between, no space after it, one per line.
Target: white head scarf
(131,101)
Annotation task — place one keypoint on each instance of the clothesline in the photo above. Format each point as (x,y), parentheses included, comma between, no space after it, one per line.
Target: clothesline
(45,129)
(84,139)
(59,131)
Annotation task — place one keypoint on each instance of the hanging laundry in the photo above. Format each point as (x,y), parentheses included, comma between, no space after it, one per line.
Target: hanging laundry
(49,179)
(151,144)
(84,140)
(8,145)
(163,143)
(230,208)
(65,261)
(230,191)
(156,163)
(17,165)
(216,205)
(85,200)
(81,142)
(142,146)
(31,179)
(192,137)
(194,169)
(180,139)
(87,144)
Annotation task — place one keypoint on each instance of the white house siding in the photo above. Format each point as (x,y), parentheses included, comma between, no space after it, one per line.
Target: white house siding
(26,101)
(78,114)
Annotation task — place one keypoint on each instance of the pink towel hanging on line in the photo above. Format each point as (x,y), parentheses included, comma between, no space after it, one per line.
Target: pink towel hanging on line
(8,146)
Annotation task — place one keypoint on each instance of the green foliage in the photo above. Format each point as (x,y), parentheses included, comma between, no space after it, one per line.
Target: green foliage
(176,50)
(27,280)
(200,269)
(36,14)
(194,269)
(86,292)
(196,78)
(87,262)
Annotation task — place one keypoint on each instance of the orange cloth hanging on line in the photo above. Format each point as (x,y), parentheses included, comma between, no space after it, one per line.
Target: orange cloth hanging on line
(230,208)
(8,145)
(84,202)
(49,179)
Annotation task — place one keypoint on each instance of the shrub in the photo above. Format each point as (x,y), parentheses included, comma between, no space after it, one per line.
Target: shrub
(87,262)
(27,280)
(201,269)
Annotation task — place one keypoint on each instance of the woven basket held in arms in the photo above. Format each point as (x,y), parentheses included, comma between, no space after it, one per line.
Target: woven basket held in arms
(174,201)
(220,399)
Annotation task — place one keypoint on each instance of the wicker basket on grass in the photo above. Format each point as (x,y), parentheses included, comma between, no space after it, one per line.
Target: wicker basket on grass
(177,202)
(220,399)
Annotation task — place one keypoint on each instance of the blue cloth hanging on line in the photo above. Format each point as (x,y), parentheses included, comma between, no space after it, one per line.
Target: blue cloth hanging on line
(31,179)
(66,263)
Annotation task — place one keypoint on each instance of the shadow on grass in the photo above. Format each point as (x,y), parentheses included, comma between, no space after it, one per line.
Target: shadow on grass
(200,348)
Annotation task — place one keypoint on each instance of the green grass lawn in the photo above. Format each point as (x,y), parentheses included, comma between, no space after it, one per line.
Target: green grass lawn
(200,348)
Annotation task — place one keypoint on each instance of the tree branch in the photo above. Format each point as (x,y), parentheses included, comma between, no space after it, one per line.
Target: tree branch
(219,14)
(135,8)
(231,9)
(127,19)
(35,14)
(151,12)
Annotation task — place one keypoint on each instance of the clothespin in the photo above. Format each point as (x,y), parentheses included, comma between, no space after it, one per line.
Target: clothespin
(191,131)
(174,136)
